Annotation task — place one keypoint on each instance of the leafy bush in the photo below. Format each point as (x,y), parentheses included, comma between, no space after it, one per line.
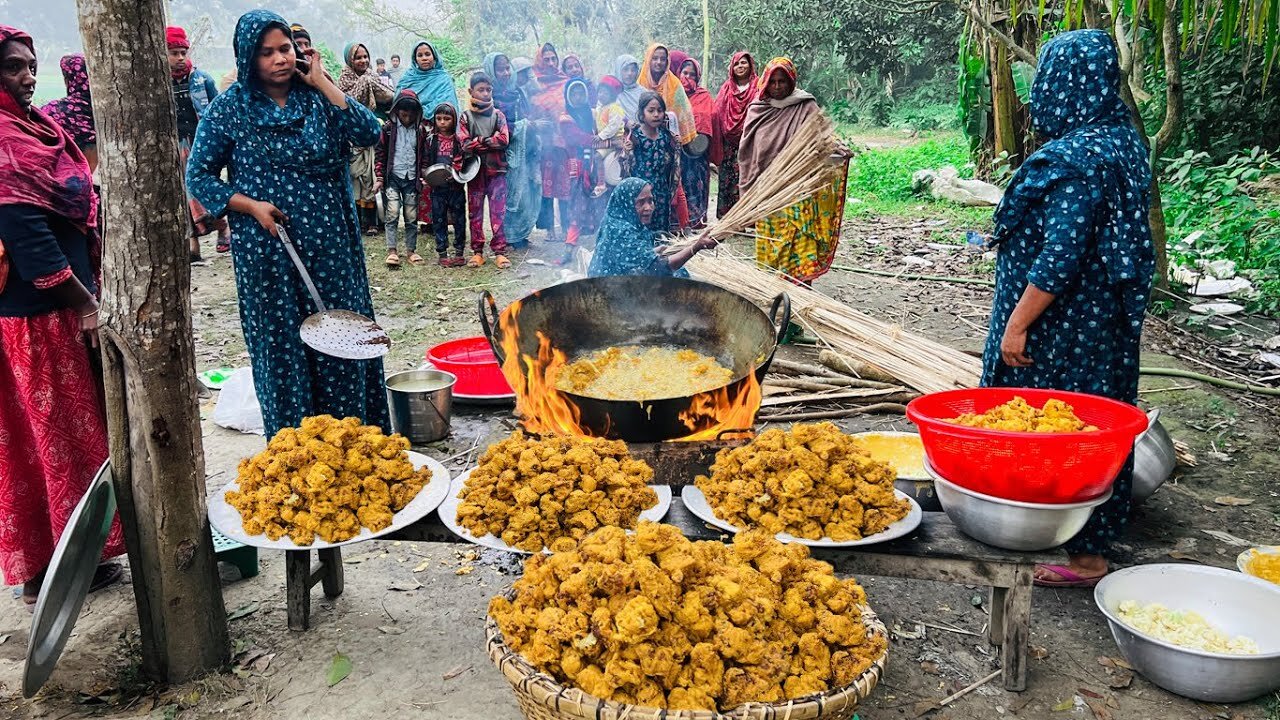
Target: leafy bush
(1226,212)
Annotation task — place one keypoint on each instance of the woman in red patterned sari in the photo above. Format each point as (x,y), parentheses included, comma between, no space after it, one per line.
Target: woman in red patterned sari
(53,433)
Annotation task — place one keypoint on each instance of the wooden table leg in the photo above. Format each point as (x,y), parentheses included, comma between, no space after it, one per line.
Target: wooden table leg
(331,577)
(1016,629)
(297,569)
(995,619)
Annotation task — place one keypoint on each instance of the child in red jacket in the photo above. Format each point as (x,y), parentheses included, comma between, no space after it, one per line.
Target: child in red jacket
(444,146)
(484,134)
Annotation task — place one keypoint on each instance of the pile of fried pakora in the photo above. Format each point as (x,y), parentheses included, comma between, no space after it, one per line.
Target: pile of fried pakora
(327,478)
(549,493)
(1019,416)
(659,621)
(813,482)
(642,373)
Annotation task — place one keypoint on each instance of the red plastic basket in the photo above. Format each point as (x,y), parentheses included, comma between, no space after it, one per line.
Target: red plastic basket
(472,360)
(1025,466)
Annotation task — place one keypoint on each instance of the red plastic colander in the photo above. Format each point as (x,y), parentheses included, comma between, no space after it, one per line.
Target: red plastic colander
(472,361)
(1026,466)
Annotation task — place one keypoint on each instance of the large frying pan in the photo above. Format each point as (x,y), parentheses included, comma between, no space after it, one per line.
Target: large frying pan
(587,315)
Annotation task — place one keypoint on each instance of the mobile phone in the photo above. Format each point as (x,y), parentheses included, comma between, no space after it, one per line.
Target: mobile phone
(303,65)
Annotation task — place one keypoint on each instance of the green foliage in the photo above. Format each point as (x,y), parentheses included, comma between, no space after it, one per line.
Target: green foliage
(880,181)
(332,62)
(1227,211)
(1227,104)
(974,90)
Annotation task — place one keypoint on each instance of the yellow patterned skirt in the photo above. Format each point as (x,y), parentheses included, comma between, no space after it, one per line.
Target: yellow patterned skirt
(801,240)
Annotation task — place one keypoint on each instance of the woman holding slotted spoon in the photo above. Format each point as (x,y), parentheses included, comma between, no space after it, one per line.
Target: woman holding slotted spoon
(284,136)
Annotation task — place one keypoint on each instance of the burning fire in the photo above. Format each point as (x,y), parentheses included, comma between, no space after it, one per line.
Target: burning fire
(544,410)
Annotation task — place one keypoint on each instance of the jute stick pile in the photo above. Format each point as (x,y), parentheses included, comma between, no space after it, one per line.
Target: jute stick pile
(915,361)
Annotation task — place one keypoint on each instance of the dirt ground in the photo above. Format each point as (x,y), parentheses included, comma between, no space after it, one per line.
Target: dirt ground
(412,626)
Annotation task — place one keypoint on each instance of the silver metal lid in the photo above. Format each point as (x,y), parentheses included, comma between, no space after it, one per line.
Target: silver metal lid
(67,581)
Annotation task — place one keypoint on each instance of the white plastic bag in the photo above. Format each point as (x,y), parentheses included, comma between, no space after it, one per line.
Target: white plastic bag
(237,406)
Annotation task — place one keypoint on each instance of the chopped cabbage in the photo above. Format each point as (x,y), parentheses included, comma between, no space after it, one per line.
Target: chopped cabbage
(1185,628)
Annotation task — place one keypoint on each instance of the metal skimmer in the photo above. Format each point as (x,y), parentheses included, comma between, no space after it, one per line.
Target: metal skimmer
(340,333)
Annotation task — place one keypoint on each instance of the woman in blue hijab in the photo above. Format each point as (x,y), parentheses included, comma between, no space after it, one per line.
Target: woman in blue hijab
(284,138)
(625,244)
(1075,261)
(427,77)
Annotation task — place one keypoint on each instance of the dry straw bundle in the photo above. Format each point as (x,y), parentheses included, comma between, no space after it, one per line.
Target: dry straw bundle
(801,170)
(915,361)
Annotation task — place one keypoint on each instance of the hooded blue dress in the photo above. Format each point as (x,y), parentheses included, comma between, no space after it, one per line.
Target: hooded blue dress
(1074,224)
(294,157)
(623,245)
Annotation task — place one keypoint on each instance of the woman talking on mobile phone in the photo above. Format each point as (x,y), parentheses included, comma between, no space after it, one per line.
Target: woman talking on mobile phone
(284,137)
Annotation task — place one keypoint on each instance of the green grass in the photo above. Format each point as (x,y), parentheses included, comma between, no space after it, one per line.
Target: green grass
(880,181)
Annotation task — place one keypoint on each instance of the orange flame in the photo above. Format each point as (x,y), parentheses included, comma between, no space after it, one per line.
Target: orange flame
(544,410)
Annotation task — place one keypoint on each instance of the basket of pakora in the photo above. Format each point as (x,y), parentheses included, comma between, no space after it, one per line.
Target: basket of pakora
(635,358)
(529,494)
(812,484)
(645,625)
(1027,445)
(326,483)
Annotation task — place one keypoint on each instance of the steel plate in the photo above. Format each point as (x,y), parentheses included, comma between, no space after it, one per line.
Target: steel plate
(66,584)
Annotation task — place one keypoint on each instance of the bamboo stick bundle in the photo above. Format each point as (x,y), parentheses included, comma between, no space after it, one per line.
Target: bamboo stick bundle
(915,361)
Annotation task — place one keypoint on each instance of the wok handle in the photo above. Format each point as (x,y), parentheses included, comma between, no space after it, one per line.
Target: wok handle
(489,306)
(302,269)
(782,301)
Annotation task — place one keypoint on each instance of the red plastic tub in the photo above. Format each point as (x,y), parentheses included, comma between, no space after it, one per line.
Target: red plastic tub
(1025,466)
(472,361)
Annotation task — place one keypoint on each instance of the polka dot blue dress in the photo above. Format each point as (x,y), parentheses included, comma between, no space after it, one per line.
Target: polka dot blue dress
(294,157)
(1074,224)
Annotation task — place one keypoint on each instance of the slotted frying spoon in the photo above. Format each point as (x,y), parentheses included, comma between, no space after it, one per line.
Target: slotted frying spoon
(340,333)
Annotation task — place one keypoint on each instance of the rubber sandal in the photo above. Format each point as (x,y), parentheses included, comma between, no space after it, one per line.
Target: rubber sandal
(393,259)
(502,262)
(106,574)
(1069,579)
(415,259)
(476,261)
(223,248)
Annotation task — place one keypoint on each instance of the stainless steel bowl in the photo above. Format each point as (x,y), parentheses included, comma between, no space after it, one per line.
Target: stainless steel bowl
(1011,524)
(421,404)
(1235,603)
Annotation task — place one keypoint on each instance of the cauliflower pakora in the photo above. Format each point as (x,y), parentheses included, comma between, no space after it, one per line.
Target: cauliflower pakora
(813,482)
(1018,415)
(552,492)
(657,620)
(642,373)
(327,478)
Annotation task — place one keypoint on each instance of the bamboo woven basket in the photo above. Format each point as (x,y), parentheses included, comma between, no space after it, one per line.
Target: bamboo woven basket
(541,697)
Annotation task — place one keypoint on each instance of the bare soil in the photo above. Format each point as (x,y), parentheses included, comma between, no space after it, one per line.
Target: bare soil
(412,625)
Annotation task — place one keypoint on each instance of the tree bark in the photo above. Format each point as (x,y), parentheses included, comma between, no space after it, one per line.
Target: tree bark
(148,358)
(1003,98)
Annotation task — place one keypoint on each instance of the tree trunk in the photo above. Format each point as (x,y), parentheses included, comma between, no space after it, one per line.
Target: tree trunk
(1003,98)
(148,358)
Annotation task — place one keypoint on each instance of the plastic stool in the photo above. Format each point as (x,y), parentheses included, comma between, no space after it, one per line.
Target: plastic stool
(244,557)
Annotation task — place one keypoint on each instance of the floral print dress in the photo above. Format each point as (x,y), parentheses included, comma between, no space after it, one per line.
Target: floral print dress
(657,161)
(1074,224)
(294,157)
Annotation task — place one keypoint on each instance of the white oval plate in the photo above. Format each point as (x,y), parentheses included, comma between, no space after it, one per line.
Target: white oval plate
(448,512)
(696,501)
(228,522)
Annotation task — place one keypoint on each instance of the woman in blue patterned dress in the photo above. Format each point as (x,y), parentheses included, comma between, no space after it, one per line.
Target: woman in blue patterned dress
(1075,261)
(284,138)
(626,246)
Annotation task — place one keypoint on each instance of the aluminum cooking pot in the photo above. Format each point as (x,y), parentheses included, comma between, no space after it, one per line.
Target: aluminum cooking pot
(1154,458)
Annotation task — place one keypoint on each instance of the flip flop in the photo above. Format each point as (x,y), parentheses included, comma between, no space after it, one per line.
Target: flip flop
(106,574)
(1069,579)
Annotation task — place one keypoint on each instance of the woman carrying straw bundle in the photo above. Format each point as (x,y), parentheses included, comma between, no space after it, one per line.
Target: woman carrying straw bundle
(359,82)
(1075,262)
(736,95)
(801,240)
